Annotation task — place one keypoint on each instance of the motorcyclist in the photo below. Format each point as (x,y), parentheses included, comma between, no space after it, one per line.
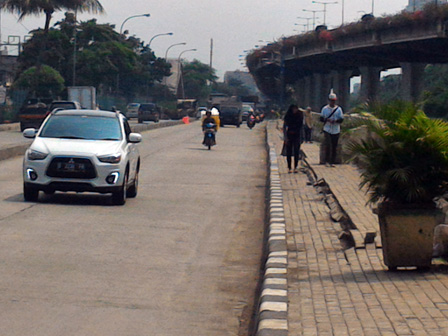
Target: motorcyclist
(207,120)
(251,119)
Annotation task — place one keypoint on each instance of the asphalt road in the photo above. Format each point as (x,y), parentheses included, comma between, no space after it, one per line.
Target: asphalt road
(180,259)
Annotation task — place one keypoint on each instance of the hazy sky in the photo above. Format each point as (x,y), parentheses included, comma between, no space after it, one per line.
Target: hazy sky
(235,26)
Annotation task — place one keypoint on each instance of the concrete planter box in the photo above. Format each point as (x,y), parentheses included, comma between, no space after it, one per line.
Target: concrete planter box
(407,235)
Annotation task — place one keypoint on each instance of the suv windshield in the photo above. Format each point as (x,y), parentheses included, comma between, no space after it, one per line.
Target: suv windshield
(82,127)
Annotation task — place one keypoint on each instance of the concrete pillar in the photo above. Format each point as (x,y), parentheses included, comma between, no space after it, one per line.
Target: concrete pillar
(307,93)
(320,90)
(341,86)
(370,83)
(300,92)
(316,91)
(412,81)
(327,85)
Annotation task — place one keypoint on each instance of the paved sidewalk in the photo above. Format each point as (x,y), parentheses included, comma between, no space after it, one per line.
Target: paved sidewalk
(331,295)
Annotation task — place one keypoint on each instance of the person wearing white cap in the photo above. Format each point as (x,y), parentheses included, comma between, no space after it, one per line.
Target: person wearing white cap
(332,117)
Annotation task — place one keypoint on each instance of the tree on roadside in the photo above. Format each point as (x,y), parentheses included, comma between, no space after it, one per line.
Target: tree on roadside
(233,87)
(435,95)
(104,58)
(197,76)
(48,7)
(47,82)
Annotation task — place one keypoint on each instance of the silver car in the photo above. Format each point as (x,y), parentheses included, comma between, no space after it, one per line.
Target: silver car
(82,151)
(132,110)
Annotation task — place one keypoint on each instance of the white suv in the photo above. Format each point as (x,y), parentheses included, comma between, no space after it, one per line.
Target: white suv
(82,150)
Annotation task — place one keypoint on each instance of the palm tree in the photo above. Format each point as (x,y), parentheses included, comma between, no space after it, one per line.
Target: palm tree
(48,7)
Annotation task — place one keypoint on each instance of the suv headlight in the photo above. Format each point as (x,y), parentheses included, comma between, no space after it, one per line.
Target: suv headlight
(34,155)
(113,158)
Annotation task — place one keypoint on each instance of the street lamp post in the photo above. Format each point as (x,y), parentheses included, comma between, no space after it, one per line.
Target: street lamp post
(131,17)
(166,60)
(181,71)
(307,21)
(314,15)
(173,45)
(304,25)
(325,3)
(152,38)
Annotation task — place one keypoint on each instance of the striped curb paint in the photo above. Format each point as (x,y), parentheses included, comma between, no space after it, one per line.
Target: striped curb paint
(273,307)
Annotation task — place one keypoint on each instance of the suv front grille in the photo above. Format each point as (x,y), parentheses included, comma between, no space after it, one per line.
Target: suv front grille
(69,167)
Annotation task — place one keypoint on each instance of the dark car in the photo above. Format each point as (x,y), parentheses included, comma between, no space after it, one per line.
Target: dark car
(148,112)
(64,105)
(32,115)
(231,116)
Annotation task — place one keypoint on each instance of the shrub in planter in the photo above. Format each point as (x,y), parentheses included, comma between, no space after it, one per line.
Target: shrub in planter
(404,165)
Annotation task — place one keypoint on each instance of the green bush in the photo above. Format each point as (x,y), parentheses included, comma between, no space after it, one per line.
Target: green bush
(404,159)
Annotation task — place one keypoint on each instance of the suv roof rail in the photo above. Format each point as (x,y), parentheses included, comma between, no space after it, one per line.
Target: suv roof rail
(60,109)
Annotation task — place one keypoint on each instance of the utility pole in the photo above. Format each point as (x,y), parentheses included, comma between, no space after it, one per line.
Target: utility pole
(74,50)
(325,8)
(307,21)
(314,15)
(211,54)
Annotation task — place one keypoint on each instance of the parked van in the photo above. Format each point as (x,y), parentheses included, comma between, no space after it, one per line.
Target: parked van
(148,112)
(132,110)
(32,115)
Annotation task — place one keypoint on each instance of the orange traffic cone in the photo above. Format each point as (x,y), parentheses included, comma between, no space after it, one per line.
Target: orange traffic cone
(186,120)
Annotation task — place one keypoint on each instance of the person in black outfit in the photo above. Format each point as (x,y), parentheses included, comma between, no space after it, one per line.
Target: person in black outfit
(292,129)
(208,120)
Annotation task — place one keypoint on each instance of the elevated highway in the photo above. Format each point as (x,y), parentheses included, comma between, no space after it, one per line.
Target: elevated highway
(318,61)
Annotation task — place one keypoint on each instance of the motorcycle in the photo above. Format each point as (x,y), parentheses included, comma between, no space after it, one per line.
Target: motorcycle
(209,135)
(251,121)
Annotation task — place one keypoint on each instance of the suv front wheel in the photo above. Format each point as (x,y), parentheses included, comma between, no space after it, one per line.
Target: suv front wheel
(30,194)
(119,197)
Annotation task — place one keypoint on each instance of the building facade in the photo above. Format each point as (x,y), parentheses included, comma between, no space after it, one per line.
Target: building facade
(415,5)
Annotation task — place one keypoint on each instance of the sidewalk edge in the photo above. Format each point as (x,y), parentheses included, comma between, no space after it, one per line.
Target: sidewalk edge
(273,307)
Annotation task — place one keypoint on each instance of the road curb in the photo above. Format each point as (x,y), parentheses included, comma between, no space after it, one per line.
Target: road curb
(16,150)
(273,307)
(10,127)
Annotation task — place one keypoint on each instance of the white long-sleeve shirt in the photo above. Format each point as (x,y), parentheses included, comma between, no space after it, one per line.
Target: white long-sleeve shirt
(332,126)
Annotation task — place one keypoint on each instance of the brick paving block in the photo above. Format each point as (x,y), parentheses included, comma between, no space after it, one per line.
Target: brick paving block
(352,293)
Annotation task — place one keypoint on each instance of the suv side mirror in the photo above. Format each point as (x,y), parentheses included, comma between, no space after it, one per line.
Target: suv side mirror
(29,133)
(135,138)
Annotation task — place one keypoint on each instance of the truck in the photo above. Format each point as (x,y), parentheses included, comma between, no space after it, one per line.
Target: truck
(230,111)
(216,99)
(187,107)
(85,95)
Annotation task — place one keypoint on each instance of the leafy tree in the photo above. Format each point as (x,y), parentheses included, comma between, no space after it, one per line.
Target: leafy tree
(196,76)
(435,95)
(48,7)
(390,88)
(47,82)
(233,87)
(58,52)
(104,58)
